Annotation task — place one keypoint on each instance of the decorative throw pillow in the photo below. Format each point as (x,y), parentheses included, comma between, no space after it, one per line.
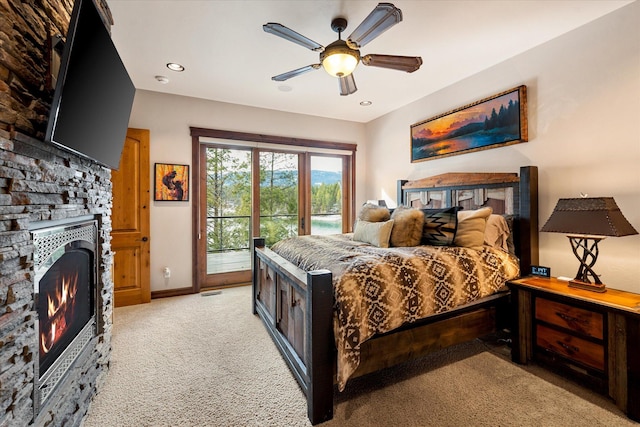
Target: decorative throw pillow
(374,233)
(407,226)
(497,232)
(471,226)
(440,226)
(373,213)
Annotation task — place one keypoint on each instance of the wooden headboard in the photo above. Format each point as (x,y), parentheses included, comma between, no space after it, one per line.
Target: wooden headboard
(507,193)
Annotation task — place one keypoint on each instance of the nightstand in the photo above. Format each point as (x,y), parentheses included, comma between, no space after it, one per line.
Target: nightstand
(592,338)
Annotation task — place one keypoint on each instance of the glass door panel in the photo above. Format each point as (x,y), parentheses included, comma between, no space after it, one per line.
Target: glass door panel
(279,192)
(326,195)
(228,189)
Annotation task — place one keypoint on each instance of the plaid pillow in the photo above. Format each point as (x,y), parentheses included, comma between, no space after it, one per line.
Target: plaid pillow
(440,226)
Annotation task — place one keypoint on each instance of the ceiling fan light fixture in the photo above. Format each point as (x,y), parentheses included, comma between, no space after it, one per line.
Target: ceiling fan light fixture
(341,57)
(339,60)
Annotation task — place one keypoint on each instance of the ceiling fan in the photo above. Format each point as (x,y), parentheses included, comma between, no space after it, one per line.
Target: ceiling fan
(341,57)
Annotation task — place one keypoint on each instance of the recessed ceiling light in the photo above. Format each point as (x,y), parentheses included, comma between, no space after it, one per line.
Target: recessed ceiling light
(365,103)
(174,66)
(162,79)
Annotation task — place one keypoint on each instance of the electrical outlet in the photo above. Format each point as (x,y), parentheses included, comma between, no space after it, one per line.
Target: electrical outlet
(167,272)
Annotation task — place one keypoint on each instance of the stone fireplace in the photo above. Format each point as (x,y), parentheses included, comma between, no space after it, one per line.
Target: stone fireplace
(40,185)
(42,190)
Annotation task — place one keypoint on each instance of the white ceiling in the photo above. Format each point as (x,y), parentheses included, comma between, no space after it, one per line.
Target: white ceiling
(229,58)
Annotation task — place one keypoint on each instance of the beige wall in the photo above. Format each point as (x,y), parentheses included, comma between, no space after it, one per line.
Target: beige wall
(584,134)
(169,118)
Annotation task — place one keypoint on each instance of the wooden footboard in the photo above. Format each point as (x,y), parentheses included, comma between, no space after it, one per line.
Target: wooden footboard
(297,310)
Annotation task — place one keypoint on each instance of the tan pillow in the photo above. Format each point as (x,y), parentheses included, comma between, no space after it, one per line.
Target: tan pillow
(471,227)
(373,213)
(497,232)
(407,226)
(374,233)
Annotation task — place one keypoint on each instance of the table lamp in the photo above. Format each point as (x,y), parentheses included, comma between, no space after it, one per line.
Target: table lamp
(586,221)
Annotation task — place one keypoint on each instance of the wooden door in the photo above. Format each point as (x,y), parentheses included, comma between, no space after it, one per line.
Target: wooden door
(130,221)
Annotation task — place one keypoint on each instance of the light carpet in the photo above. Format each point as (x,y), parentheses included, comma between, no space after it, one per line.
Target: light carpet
(207,361)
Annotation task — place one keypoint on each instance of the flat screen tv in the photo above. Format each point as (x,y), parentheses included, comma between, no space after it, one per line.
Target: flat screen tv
(93,94)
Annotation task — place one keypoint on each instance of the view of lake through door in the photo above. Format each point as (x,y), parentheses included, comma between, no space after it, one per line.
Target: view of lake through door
(228,180)
(228,190)
(279,196)
(247,191)
(326,195)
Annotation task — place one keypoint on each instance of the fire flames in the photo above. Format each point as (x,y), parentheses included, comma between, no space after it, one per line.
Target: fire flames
(60,305)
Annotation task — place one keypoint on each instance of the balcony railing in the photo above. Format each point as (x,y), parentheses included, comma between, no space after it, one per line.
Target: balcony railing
(224,233)
(228,233)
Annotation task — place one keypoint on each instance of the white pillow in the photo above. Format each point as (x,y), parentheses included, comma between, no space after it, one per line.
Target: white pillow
(471,227)
(374,233)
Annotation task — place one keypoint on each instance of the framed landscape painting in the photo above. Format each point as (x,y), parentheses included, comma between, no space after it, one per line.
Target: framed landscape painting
(171,182)
(489,123)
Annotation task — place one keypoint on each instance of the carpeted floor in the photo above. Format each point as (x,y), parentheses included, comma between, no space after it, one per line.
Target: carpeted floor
(207,361)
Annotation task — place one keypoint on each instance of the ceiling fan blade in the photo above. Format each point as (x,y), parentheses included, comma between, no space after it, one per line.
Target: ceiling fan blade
(288,34)
(383,17)
(347,85)
(401,63)
(286,76)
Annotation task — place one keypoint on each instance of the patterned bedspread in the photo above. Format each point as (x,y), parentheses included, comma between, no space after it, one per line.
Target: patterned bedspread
(377,290)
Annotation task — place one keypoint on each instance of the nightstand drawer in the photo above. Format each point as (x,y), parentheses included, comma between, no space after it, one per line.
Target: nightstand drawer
(571,347)
(586,322)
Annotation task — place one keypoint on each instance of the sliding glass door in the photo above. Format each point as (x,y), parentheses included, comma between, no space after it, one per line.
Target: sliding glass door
(228,209)
(230,198)
(279,196)
(246,192)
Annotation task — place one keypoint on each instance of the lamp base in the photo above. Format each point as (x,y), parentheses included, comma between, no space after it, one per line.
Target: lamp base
(593,287)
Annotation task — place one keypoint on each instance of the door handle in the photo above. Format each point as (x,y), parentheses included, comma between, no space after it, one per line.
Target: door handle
(144,239)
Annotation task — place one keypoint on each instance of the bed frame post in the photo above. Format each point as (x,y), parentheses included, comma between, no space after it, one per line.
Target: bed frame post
(257,242)
(320,346)
(528,218)
(399,192)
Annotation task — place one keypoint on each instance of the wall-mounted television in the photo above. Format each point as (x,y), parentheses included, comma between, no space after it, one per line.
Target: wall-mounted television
(93,94)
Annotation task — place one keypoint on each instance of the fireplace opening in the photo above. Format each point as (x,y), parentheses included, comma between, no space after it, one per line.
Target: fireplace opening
(65,266)
(64,305)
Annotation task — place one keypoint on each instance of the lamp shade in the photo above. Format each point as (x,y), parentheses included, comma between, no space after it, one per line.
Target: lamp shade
(339,60)
(593,216)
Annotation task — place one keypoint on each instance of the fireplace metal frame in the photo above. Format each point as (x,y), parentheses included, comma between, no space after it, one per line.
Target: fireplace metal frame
(50,240)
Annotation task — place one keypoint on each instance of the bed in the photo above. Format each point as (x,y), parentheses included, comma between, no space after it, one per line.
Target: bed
(301,302)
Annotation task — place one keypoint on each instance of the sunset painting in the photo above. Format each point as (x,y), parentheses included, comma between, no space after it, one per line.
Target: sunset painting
(492,122)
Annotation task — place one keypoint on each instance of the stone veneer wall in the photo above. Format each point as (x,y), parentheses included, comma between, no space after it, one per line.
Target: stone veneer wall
(39,182)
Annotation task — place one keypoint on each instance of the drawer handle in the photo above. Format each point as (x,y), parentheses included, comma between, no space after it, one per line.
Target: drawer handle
(569,348)
(571,319)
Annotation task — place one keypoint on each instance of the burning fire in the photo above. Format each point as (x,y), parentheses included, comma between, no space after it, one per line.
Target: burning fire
(59,307)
